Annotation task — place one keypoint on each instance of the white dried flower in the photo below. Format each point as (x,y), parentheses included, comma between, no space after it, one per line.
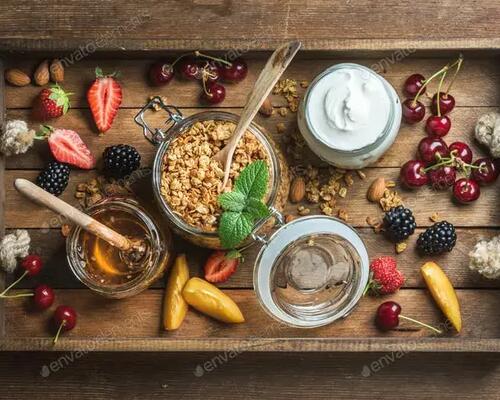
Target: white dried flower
(13,246)
(485,258)
(16,137)
(488,132)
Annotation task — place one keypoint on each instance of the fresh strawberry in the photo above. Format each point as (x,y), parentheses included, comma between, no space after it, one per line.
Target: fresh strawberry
(104,97)
(221,265)
(51,103)
(385,277)
(67,147)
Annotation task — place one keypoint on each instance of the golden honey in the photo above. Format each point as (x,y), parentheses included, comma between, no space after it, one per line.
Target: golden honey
(108,270)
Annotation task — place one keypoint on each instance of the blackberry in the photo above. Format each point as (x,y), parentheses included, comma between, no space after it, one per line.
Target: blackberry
(121,160)
(399,223)
(54,178)
(437,239)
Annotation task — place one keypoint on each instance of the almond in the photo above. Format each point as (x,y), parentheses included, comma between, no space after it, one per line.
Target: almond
(376,190)
(297,190)
(42,75)
(17,77)
(56,71)
(266,109)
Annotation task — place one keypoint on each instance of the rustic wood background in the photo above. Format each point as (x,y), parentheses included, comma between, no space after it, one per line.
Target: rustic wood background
(338,28)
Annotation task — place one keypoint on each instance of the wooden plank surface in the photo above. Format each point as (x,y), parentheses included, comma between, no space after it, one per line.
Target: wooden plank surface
(252,376)
(139,317)
(485,210)
(50,244)
(321,24)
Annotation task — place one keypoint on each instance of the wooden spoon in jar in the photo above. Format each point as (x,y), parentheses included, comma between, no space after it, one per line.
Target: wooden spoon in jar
(272,71)
(40,196)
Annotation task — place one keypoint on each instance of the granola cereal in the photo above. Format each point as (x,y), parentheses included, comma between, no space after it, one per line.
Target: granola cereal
(191,178)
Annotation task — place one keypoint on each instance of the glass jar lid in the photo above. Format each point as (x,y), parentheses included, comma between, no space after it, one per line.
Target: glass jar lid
(311,272)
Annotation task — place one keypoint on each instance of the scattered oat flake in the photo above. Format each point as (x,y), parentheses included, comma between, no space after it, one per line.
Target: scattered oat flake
(400,247)
(303,211)
(342,214)
(304,84)
(361,174)
(343,192)
(390,184)
(434,217)
(391,199)
(65,229)
(283,111)
(280,127)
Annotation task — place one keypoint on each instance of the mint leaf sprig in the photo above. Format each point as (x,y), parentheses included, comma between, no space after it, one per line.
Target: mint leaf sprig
(244,205)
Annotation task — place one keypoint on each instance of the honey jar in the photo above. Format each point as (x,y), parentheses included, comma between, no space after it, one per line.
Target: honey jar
(108,270)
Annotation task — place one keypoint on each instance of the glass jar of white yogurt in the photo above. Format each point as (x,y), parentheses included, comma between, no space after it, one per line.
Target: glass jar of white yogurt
(349,116)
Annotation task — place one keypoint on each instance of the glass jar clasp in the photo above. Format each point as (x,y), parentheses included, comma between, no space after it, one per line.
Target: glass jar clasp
(273,213)
(158,135)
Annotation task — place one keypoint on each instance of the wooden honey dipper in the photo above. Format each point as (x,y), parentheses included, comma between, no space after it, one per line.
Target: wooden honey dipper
(135,249)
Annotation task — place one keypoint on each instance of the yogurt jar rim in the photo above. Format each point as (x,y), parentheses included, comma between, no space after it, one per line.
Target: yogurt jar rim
(389,90)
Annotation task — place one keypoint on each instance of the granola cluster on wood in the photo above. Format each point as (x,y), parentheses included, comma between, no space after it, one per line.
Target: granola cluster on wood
(324,187)
(191,178)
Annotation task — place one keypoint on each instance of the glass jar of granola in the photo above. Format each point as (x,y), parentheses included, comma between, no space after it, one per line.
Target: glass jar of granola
(186,179)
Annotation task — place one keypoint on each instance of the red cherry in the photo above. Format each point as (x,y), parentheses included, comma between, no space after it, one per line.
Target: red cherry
(32,264)
(43,297)
(190,69)
(413,84)
(442,177)
(236,72)
(388,315)
(161,73)
(215,93)
(466,190)
(64,319)
(446,103)
(461,150)
(487,172)
(412,174)
(430,146)
(438,126)
(413,111)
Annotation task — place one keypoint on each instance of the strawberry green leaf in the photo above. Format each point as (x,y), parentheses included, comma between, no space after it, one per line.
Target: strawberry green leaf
(256,208)
(234,254)
(232,201)
(98,72)
(253,180)
(234,227)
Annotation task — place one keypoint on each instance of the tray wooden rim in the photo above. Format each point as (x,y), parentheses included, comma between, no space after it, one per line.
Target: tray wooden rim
(165,344)
(125,45)
(305,345)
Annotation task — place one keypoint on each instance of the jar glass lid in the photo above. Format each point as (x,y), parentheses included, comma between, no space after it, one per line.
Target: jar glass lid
(311,271)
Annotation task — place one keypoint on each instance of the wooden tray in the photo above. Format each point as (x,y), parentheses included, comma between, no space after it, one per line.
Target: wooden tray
(134,324)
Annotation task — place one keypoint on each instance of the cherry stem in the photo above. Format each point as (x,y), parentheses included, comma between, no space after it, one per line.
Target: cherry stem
(59,331)
(426,82)
(459,64)
(443,161)
(200,54)
(180,58)
(422,324)
(13,284)
(13,296)
(439,91)
(203,82)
